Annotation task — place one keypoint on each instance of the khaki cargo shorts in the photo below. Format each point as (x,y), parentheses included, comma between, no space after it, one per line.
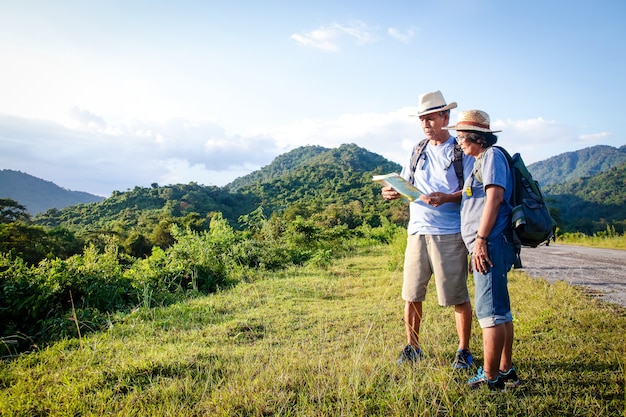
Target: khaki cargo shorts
(445,257)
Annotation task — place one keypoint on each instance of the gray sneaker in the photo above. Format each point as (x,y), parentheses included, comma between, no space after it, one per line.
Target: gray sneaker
(463,359)
(510,378)
(409,355)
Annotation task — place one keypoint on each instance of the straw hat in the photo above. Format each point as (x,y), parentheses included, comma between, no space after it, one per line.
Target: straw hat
(432,102)
(475,120)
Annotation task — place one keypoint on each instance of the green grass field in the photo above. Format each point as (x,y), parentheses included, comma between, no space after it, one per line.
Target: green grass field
(323,342)
(608,239)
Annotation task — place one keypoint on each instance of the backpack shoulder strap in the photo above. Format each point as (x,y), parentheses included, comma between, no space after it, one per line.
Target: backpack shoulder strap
(415,156)
(457,162)
(514,195)
(417,152)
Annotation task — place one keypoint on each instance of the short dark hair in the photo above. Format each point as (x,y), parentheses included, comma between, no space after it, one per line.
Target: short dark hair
(484,139)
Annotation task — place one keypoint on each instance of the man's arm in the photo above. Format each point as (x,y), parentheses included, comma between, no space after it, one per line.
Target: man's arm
(438,198)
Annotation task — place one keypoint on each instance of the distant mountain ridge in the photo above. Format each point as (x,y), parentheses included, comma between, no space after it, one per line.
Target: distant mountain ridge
(39,195)
(582,163)
(313,179)
(590,204)
(304,181)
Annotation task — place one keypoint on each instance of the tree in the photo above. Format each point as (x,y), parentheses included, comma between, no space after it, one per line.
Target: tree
(12,211)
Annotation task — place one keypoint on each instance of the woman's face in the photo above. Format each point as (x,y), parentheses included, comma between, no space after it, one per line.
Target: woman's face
(469,148)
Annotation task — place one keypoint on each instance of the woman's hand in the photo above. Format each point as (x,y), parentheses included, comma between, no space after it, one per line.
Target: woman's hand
(480,257)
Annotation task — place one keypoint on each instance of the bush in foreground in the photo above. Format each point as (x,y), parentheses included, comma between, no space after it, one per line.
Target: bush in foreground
(323,342)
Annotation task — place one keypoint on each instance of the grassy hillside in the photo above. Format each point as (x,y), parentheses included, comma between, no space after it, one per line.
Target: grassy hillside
(323,342)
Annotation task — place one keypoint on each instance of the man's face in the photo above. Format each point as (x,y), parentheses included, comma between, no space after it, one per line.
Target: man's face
(432,124)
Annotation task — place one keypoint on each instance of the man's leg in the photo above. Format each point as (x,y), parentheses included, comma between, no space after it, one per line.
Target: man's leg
(449,259)
(412,321)
(463,319)
(417,274)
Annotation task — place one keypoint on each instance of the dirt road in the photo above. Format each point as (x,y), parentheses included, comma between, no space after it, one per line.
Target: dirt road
(602,270)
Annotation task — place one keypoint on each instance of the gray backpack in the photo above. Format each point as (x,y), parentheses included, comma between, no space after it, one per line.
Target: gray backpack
(531,219)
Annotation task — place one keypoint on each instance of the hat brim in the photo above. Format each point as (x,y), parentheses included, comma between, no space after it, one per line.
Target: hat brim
(470,129)
(450,106)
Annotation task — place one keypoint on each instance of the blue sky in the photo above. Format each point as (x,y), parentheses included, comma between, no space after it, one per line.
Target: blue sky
(101,95)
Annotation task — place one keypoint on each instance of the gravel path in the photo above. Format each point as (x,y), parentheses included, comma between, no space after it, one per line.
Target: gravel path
(601,270)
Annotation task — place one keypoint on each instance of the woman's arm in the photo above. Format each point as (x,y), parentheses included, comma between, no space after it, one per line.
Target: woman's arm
(494,196)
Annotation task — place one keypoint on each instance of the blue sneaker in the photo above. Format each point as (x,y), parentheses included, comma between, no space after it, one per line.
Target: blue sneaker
(510,378)
(463,359)
(409,355)
(481,380)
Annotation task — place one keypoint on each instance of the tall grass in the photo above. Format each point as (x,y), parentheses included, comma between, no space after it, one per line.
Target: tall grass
(608,238)
(323,342)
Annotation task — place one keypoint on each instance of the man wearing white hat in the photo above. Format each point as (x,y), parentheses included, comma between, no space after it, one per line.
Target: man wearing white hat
(434,244)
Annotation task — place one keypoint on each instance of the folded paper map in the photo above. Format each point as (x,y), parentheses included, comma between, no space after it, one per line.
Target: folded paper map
(395,181)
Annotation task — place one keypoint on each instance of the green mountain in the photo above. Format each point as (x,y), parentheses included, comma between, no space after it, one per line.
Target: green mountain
(328,176)
(333,186)
(38,195)
(279,166)
(307,180)
(590,204)
(578,164)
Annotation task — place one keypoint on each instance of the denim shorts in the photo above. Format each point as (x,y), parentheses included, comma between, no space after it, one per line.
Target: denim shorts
(491,298)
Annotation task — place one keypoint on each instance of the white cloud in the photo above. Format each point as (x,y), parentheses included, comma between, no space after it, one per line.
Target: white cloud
(129,155)
(138,153)
(329,38)
(537,139)
(388,134)
(402,37)
(87,119)
(596,138)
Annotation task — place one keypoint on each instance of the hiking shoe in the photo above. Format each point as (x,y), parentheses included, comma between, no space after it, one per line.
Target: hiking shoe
(409,354)
(463,359)
(510,378)
(481,379)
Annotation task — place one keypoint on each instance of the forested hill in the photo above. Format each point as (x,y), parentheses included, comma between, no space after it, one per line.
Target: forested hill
(306,181)
(592,203)
(324,177)
(279,166)
(38,195)
(578,164)
(345,157)
(332,185)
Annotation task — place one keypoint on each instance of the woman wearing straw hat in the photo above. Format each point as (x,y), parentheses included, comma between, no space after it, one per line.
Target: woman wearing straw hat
(486,230)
